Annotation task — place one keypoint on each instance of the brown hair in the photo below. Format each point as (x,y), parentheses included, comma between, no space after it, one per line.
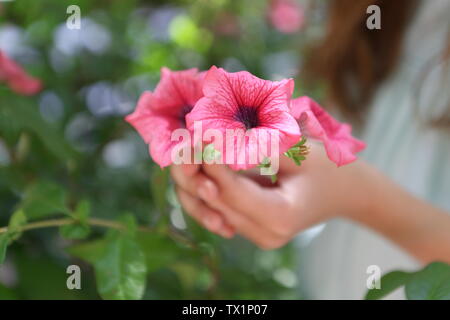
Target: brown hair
(354,60)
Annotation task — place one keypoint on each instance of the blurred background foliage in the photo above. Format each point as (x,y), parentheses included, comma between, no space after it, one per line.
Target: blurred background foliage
(67,153)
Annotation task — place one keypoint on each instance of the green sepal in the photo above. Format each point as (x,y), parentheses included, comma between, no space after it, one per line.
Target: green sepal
(210,154)
(297,152)
(266,164)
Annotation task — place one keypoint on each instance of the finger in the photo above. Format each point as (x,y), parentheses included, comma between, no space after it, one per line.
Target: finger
(262,180)
(210,219)
(190,169)
(191,183)
(246,196)
(243,225)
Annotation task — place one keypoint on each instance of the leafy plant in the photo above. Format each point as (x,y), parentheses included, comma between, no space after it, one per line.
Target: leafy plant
(76,183)
(430,283)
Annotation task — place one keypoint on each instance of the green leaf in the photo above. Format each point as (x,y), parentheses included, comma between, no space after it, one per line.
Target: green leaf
(129,221)
(159,250)
(75,231)
(82,211)
(89,251)
(17,220)
(80,229)
(389,282)
(431,283)
(121,272)
(27,117)
(43,199)
(4,240)
(159,183)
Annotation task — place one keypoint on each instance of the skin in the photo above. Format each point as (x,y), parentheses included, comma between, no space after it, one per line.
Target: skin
(228,203)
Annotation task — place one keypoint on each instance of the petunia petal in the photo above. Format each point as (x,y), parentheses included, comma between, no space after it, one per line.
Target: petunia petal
(226,94)
(253,146)
(230,90)
(160,113)
(140,119)
(177,90)
(287,127)
(316,123)
(161,145)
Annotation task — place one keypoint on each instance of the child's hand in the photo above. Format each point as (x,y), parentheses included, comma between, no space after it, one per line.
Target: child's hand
(226,202)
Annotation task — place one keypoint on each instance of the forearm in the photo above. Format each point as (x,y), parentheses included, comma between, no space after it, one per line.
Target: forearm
(420,228)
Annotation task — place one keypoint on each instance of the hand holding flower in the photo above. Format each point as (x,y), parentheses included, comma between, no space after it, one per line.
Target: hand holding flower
(226,202)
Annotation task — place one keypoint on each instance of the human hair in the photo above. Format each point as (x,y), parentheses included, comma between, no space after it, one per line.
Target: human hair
(354,60)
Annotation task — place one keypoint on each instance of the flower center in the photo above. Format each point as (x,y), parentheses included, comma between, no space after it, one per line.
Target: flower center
(248,116)
(184,111)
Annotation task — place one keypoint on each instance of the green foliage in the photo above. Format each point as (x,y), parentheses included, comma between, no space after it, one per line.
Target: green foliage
(159,183)
(121,270)
(63,192)
(3,245)
(60,166)
(16,222)
(27,119)
(186,33)
(430,283)
(389,282)
(75,231)
(13,232)
(88,251)
(41,277)
(43,199)
(80,229)
(6,293)
(160,251)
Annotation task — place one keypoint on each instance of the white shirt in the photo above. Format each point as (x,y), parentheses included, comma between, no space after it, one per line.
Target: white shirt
(334,257)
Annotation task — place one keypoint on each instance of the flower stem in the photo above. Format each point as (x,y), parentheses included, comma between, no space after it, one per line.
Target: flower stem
(65,221)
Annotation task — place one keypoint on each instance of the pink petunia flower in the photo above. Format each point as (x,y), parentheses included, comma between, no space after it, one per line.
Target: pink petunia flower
(159,113)
(244,103)
(16,78)
(316,123)
(287,16)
